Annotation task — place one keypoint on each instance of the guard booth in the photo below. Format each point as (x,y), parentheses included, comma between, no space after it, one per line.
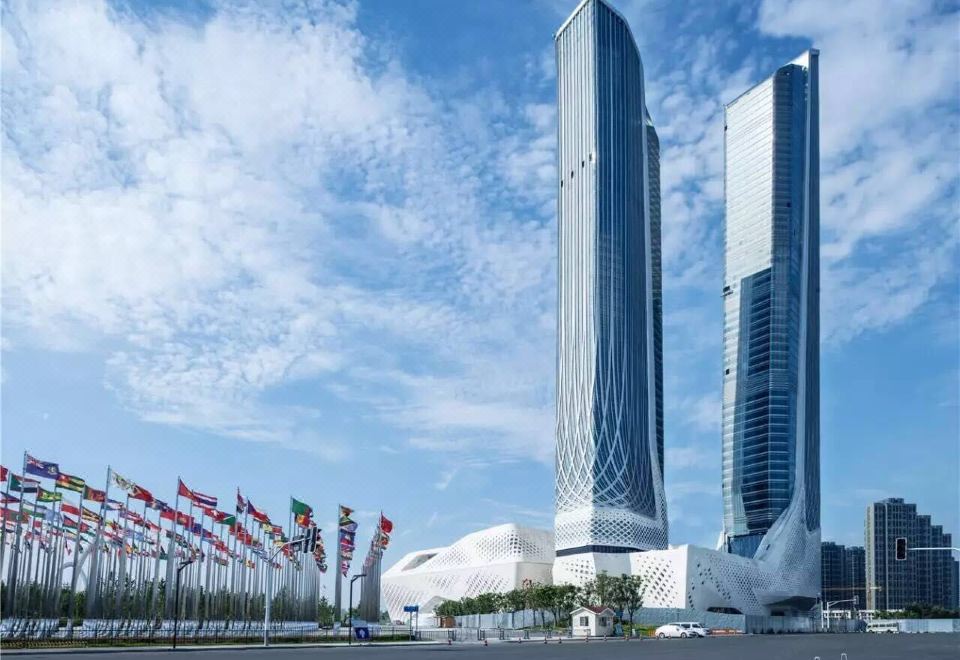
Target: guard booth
(590,621)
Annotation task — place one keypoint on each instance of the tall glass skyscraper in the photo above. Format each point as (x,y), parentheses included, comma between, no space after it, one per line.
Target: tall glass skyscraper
(609,456)
(771,300)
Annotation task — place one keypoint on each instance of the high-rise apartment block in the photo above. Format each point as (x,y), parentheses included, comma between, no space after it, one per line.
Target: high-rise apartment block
(842,575)
(927,577)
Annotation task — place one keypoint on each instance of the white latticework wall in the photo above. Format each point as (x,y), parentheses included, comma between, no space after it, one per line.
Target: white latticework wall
(497,559)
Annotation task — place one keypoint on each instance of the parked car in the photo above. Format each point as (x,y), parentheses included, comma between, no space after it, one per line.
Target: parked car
(683,629)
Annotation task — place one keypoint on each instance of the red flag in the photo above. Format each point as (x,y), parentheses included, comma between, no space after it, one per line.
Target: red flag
(141,494)
(167,514)
(94,495)
(385,525)
(3,473)
(183,491)
(69,508)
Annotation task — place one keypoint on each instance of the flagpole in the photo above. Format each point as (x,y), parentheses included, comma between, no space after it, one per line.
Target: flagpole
(14,568)
(337,579)
(243,549)
(169,605)
(76,560)
(234,569)
(93,581)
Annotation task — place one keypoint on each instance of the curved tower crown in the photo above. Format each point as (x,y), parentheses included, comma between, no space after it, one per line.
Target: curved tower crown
(771,377)
(609,479)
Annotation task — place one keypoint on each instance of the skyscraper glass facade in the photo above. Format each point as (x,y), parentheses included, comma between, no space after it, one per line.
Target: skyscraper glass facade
(609,482)
(771,308)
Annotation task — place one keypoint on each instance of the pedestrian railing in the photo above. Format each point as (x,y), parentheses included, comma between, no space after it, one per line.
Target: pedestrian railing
(52,633)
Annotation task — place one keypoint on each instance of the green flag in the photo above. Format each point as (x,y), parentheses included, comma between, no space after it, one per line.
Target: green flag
(229,520)
(70,482)
(48,496)
(299,508)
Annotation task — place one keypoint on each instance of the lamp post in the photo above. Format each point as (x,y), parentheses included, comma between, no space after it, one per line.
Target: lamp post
(350,607)
(176,599)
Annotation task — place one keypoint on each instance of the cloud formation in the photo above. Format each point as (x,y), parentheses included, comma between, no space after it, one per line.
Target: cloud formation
(254,200)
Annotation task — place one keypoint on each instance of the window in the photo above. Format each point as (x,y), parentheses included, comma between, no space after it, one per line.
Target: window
(585,622)
(603,621)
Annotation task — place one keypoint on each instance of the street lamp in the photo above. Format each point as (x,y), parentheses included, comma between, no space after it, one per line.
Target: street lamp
(350,607)
(176,599)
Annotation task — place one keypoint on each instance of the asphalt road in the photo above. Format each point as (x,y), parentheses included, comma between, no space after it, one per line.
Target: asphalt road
(761,647)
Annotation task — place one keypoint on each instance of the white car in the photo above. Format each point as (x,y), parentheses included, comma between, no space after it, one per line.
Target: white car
(685,629)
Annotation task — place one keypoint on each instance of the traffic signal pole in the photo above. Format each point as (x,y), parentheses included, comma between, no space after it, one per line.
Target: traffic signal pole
(307,542)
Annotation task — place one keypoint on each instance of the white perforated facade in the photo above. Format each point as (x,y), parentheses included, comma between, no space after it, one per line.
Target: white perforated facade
(497,559)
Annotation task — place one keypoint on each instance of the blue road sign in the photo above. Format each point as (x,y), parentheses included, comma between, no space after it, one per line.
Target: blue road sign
(361,632)
(411,608)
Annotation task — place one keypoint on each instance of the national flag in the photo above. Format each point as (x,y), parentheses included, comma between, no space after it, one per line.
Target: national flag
(258,515)
(8,499)
(229,520)
(298,508)
(69,508)
(141,494)
(87,514)
(42,468)
(9,514)
(23,484)
(241,503)
(114,505)
(345,515)
(69,482)
(4,472)
(157,505)
(94,495)
(204,500)
(385,524)
(48,496)
(183,491)
(122,484)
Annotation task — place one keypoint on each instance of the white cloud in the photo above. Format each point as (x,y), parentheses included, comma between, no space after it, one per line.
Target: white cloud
(889,84)
(234,206)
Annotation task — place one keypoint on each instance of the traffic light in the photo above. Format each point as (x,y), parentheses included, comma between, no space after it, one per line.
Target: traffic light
(309,540)
(901,549)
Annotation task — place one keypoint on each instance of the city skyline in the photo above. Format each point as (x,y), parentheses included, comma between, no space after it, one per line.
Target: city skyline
(390,378)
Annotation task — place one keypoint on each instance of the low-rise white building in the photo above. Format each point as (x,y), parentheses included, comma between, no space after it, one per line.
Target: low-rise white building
(497,559)
(590,621)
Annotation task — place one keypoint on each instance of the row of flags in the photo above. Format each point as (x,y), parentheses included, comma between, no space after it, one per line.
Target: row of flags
(225,539)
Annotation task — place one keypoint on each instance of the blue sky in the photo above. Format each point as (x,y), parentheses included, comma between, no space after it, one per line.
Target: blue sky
(310,250)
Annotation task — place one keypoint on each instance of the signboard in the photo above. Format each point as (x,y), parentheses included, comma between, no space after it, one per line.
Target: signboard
(411,608)
(361,632)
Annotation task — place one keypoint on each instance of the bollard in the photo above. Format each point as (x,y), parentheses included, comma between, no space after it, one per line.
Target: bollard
(449,642)
(559,640)
(485,642)
(843,656)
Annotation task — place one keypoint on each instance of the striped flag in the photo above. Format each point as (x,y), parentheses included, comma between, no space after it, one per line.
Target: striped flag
(69,482)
